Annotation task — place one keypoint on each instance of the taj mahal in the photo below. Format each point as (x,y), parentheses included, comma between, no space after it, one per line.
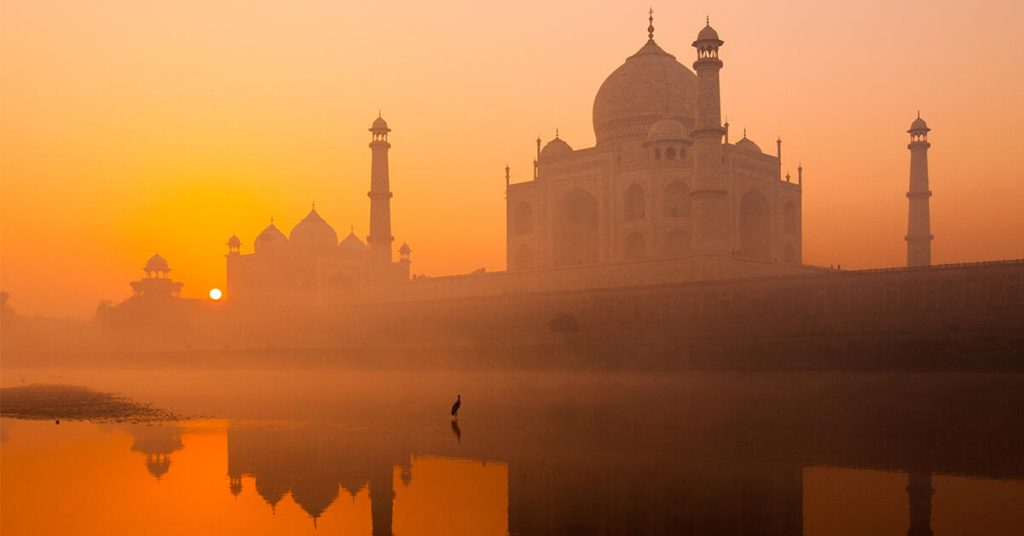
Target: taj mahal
(671,242)
(663,197)
(663,179)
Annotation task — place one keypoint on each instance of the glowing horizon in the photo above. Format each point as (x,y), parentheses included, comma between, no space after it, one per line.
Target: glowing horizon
(134,128)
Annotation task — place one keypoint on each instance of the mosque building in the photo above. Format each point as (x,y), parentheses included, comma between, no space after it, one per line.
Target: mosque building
(310,265)
(662,181)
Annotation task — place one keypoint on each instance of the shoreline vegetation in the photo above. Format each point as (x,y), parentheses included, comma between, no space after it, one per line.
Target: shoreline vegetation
(76,403)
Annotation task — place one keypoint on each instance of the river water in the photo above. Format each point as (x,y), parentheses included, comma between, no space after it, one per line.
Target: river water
(358,452)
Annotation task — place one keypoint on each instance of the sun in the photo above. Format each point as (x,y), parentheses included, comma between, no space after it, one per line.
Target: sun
(216,294)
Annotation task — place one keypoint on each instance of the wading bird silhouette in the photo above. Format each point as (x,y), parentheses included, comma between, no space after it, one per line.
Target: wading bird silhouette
(456,406)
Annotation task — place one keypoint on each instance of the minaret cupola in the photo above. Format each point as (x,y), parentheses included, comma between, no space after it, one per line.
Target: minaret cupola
(918,130)
(707,42)
(380,129)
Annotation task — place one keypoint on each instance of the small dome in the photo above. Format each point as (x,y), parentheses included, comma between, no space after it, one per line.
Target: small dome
(919,125)
(748,145)
(234,242)
(353,244)
(666,129)
(270,239)
(156,263)
(404,249)
(380,124)
(708,34)
(555,149)
(313,231)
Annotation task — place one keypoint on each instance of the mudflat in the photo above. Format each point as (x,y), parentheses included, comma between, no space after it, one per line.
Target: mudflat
(73,402)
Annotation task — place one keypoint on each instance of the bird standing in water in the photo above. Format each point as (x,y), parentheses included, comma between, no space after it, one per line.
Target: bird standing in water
(456,406)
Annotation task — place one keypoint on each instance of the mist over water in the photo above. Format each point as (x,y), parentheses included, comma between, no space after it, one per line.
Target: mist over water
(277,451)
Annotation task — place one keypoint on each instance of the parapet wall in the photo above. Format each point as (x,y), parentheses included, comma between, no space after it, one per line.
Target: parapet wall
(589,277)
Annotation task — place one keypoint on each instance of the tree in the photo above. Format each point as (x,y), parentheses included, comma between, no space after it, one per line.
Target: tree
(104,309)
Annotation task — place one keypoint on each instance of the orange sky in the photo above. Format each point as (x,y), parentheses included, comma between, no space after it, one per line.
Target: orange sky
(134,127)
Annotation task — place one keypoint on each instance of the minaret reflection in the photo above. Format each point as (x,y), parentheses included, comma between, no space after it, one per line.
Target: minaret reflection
(919,492)
(382,500)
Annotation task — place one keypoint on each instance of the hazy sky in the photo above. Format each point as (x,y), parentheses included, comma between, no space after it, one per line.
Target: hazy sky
(134,127)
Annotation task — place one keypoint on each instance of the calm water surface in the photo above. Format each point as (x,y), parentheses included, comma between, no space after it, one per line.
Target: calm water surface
(329,452)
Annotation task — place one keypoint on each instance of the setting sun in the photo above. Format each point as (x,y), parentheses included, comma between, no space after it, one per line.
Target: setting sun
(215,294)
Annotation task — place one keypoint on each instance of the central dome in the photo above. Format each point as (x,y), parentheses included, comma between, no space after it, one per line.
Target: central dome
(313,231)
(649,86)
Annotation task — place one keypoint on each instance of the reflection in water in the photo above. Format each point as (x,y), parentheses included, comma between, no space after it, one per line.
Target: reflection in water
(920,491)
(737,457)
(157,443)
(457,431)
(314,464)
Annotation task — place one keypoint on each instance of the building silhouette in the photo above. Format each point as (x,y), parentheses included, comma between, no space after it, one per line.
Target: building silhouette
(310,265)
(661,181)
(157,283)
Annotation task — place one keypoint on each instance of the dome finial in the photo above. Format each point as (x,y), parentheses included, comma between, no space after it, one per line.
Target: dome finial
(271,220)
(707,20)
(556,133)
(650,26)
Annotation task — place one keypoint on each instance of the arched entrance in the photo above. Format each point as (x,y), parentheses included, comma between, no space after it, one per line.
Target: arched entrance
(676,200)
(522,219)
(755,238)
(575,236)
(634,203)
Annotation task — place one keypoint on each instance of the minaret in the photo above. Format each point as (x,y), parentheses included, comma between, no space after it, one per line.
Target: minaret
(709,192)
(919,233)
(778,154)
(508,214)
(379,240)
